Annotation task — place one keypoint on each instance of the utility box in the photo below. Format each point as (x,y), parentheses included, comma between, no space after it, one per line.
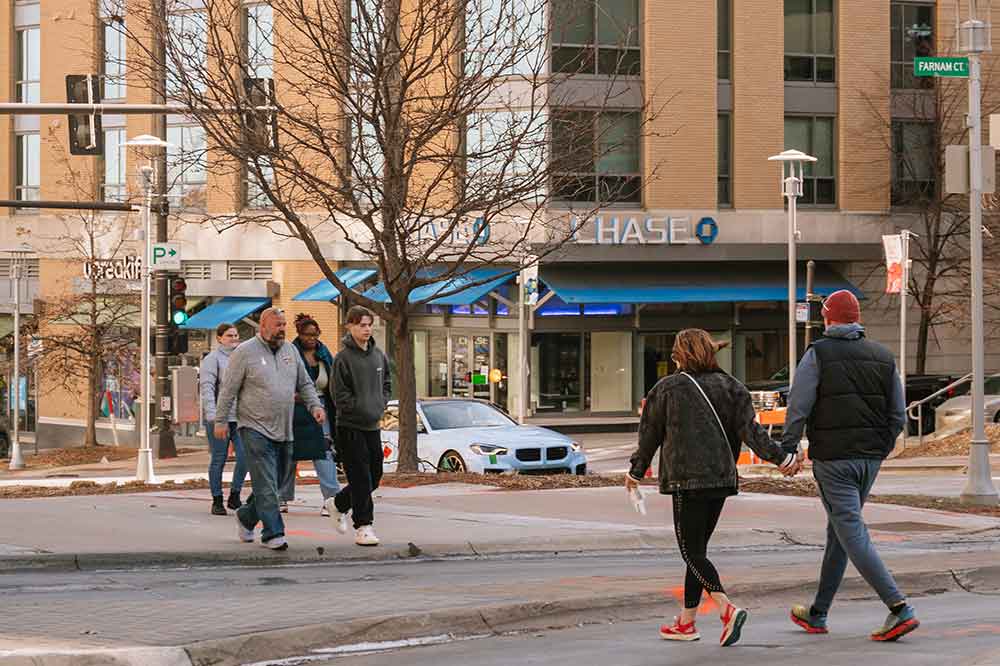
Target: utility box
(956,170)
(187,407)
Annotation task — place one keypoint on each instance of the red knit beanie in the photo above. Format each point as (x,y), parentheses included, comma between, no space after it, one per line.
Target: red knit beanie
(842,307)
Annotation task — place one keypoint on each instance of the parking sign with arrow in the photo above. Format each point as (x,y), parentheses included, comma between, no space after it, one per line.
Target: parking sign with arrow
(166,257)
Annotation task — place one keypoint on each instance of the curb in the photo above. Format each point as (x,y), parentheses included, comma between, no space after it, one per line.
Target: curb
(309,642)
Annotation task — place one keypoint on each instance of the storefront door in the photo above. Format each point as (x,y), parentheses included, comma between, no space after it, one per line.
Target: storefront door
(611,371)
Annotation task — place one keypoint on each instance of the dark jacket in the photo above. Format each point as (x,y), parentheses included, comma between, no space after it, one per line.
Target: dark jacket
(309,441)
(361,385)
(848,394)
(693,451)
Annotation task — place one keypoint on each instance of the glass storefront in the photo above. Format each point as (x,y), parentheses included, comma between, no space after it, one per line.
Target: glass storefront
(461,364)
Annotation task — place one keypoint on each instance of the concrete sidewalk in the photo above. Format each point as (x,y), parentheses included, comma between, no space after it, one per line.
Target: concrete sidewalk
(175,528)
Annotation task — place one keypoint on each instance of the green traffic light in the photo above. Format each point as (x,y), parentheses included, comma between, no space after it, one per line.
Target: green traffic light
(179,317)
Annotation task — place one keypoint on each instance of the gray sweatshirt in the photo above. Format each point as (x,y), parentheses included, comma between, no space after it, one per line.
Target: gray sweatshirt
(264,384)
(361,385)
(210,375)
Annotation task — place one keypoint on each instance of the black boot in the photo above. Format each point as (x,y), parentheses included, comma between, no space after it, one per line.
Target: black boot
(234,501)
(217,508)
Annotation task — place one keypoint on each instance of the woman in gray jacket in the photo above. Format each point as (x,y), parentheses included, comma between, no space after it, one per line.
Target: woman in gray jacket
(210,378)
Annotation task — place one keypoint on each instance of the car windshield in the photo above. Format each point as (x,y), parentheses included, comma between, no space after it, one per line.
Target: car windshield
(992,385)
(463,414)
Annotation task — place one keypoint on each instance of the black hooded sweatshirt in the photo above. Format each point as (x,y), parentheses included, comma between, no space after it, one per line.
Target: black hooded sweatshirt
(361,385)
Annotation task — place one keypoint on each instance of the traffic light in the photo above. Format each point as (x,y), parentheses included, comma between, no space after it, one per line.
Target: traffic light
(178,301)
(261,126)
(86,136)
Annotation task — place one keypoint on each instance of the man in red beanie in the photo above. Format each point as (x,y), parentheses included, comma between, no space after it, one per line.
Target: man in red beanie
(848,396)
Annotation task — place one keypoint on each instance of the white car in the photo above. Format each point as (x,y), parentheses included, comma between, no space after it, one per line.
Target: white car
(467,435)
(957,411)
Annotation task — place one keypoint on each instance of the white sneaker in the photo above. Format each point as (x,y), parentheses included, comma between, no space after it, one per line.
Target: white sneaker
(245,535)
(324,512)
(365,536)
(339,519)
(276,543)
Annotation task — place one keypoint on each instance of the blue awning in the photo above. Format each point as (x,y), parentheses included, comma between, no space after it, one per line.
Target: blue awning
(228,310)
(685,283)
(485,279)
(324,291)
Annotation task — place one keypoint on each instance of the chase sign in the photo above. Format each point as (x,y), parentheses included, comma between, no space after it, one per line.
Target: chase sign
(618,229)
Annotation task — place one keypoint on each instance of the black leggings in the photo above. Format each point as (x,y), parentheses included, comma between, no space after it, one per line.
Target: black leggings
(694,521)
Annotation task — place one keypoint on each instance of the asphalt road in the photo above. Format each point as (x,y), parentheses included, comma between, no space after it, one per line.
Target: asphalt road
(957,629)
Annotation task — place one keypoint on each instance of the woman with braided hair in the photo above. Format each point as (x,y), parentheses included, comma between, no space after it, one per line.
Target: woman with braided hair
(312,440)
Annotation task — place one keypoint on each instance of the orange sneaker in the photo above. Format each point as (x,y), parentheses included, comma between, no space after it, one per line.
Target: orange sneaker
(732,625)
(679,632)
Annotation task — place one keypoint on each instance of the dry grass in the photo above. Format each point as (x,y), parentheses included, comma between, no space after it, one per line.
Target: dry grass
(89,455)
(954,445)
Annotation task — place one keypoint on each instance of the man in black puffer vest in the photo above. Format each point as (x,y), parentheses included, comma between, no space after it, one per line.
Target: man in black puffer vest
(848,396)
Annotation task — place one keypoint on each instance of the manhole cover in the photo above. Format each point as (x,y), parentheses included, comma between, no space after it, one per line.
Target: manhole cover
(908,526)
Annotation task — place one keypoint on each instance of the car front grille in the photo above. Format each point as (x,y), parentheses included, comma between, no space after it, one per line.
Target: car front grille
(529,455)
(555,453)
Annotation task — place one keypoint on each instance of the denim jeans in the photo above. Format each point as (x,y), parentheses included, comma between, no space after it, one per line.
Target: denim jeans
(266,458)
(220,451)
(326,472)
(844,486)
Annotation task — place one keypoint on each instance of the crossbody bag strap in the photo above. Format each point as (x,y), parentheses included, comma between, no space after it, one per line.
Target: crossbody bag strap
(710,406)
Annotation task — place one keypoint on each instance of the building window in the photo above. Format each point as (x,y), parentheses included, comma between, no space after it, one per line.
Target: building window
(259,46)
(249,270)
(187,54)
(115,184)
(253,189)
(911,30)
(187,175)
(29,150)
(914,153)
(725,48)
(596,37)
(596,156)
(114,59)
(725,160)
(809,41)
(815,136)
(29,70)
(196,270)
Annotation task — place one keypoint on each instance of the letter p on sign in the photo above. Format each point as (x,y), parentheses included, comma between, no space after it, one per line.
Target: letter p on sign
(166,257)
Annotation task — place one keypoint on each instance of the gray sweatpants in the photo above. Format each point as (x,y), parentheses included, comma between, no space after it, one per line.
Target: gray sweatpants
(844,486)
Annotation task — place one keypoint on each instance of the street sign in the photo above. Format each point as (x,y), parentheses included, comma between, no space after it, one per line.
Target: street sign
(954,67)
(166,257)
(802,313)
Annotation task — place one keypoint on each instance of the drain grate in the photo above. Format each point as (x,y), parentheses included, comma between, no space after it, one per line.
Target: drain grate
(909,526)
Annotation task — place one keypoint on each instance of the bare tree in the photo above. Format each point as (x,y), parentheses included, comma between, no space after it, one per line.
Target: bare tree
(91,327)
(922,123)
(417,133)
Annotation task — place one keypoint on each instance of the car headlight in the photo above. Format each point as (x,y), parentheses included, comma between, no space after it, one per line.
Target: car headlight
(488,450)
(576,447)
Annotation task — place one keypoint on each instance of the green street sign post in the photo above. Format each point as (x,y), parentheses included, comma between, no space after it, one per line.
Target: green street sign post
(953,67)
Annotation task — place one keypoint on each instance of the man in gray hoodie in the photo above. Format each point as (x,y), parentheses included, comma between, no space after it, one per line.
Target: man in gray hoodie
(263,376)
(848,396)
(361,391)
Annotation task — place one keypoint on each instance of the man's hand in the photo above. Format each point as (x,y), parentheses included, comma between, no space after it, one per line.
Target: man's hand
(221,431)
(319,415)
(630,483)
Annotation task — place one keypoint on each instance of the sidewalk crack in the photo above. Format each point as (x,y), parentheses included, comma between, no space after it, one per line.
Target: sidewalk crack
(968,587)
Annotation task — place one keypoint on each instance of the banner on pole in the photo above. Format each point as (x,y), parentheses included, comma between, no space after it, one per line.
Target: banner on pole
(893,263)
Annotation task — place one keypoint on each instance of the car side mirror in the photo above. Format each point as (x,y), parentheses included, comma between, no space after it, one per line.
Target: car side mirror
(421,428)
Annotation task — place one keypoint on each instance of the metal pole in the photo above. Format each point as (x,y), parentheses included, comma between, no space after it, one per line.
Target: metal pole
(810,281)
(522,334)
(16,459)
(979,487)
(905,233)
(792,193)
(144,469)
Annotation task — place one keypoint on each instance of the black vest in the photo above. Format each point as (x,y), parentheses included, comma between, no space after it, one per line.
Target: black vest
(851,415)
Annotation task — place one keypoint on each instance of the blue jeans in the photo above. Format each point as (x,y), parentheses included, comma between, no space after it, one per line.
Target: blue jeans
(326,472)
(220,451)
(844,486)
(265,458)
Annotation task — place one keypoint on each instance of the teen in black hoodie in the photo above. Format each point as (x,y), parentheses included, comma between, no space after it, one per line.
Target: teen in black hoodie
(361,391)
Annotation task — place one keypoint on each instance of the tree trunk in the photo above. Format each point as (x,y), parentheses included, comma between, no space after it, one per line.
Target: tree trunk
(406,390)
(90,425)
(926,313)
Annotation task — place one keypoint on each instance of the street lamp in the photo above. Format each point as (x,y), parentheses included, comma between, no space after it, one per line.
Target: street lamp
(144,467)
(17,256)
(792,175)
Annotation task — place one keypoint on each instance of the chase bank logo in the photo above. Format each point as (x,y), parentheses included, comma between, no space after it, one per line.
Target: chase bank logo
(634,230)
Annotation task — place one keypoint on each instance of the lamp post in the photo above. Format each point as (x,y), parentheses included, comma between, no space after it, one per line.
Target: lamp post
(792,174)
(975,38)
(17,256)
(144,466)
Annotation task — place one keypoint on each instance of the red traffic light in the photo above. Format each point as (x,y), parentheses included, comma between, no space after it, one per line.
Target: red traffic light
(178,285)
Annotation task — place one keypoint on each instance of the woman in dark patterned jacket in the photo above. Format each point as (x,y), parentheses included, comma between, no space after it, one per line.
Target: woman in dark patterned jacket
(697,419)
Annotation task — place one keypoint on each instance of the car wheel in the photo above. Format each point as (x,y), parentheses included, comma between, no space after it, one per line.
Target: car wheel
(4,445)
(996,418)
(452,461)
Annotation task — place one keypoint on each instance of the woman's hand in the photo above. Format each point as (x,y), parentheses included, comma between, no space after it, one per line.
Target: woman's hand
(630,483)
